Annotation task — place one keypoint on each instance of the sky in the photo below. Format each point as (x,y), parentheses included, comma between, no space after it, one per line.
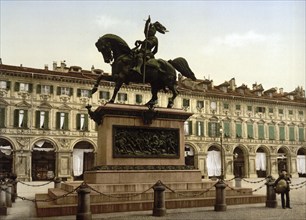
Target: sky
(252,41)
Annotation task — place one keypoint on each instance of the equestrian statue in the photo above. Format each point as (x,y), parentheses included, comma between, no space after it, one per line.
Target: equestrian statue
(139,65)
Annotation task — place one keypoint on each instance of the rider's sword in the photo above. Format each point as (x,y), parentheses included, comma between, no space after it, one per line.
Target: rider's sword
(145,53)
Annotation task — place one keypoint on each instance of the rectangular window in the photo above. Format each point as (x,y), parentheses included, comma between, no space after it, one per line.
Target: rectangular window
(104,95)
(23,87)
(122,97)
(64,91)
(290,112)
(301,113)
(213,129)
(270,110)
(250,131)
(238,130)
(250,108)
(188,127)
(281,133)
(260,109)
(200,128)
(200,104)
(83,93)
(20,118)
(291,134)
(280,111)
(301,134)
(2,117)
(5,85)
(186,103)
(226,106)
(82,122)
(42,119)
(138,99)
(62,120)
(44,89)
(238,107)
(226,131)
(271,132)
(261,132)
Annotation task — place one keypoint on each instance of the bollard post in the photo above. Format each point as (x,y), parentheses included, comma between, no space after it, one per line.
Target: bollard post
(159,207)
(83,212)
(3,208)
(238,182)
(271,201)
(13,180)
(9,195)
(57,182)
(220,204)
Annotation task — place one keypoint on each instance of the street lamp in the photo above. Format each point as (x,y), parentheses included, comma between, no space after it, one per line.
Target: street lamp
(222,162)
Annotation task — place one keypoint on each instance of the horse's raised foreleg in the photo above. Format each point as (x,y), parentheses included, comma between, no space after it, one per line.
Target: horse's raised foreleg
(174,94)
(95,88)
(116,90)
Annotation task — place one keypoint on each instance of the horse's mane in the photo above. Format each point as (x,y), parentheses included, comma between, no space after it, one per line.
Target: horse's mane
(119,40)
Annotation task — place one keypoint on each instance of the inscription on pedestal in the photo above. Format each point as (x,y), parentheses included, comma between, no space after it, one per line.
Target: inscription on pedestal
(144,142)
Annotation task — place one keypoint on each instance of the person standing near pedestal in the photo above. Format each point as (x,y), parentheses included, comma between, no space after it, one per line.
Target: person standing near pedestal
(282,185)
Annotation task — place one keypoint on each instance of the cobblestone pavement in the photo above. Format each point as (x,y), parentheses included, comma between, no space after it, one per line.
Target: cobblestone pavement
(23,209)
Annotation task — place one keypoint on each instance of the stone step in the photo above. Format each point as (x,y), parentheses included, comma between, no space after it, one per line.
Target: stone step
(45,209)
(139,196)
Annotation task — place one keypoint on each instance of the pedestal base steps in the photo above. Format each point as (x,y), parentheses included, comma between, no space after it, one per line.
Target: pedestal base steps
(115,196)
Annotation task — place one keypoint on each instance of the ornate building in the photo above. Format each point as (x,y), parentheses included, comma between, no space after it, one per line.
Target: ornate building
(45,130)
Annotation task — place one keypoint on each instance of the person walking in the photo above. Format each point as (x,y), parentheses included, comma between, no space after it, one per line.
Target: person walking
(282,185)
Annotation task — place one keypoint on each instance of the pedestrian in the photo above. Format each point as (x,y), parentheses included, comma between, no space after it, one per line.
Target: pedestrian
(282,186)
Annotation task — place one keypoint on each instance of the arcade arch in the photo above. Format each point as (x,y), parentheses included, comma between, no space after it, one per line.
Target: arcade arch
(301,162)
(43,160)
(189,155)
(213,161)
(262,155)
(283,158)
(6,157)
(83,158)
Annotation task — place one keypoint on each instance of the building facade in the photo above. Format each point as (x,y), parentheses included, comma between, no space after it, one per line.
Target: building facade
(45,130)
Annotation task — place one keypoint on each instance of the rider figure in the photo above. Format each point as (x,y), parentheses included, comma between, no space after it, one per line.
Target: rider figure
(149,46)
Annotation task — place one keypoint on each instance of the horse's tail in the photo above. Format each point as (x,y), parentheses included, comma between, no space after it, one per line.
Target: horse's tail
(181,65)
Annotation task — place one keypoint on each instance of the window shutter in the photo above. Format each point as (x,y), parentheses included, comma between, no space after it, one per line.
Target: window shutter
(291,134)
(250,131)
(282,133)
(202,128)
(209,129)
(71,92)
(30,87)
(16,118)
(66,121)
(58,121)
(226,129)
(271,132)
(86,122)
(51,90)
(58,91)
(46,124)
(8,85)
(238,130)
(261,134)
(38,89)
(17,86)
(2,117)
(90,94)
(78,121)
(25,119)
(190,127)
(301,134)
(78,92)
(37,117)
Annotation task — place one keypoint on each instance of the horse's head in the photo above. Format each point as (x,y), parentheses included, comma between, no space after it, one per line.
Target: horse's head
(105,48)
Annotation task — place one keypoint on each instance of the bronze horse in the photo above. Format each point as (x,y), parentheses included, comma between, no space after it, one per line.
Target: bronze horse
(161,76)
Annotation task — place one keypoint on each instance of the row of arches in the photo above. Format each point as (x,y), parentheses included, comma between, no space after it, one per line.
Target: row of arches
(237,162)
(43,164)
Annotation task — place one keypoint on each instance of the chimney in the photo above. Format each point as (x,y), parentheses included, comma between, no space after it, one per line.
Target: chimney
(46,67)
(54,65)
(281,91)
(232,84)
(63,64)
